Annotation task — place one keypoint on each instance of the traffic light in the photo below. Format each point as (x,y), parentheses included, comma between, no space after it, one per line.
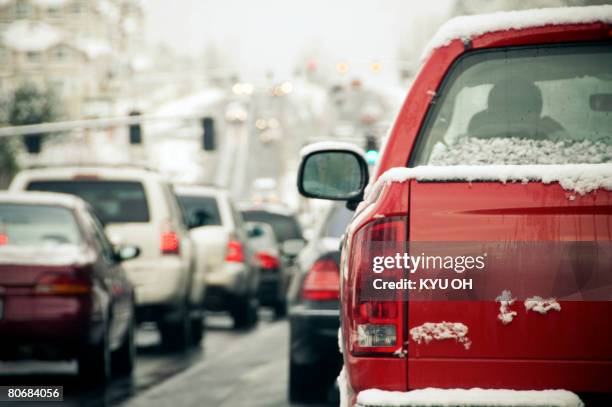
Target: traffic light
(371,148)
(208,135)
(33,143)
(135,130)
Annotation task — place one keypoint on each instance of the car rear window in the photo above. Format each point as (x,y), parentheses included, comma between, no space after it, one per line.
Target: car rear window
(285,227)
(33,225)
(522,105)
(113,201)
(201,210)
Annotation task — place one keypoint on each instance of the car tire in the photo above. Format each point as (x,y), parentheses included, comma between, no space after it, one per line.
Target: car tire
(280,309)
(306,384)
(124,358)
(244,312)
(176,335)
(197,329)
(94,362)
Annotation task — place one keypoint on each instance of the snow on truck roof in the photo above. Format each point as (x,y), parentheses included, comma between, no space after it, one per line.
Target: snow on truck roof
(468,27)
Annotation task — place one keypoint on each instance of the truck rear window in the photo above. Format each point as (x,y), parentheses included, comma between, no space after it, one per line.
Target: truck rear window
(113,201)
(527,105)
(285,227)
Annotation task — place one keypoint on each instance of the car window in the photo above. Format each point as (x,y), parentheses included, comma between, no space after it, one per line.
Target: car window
(534,105)
(201,210)
(113,201)
(337,221)
(25,225)
(285,227)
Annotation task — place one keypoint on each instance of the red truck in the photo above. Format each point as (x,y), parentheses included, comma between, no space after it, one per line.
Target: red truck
(503,144)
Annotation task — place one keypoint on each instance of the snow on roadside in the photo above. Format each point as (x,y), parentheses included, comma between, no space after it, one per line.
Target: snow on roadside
(466,397)
(541,305)
(468,27)
(439,331)
(505,301)
(31,36)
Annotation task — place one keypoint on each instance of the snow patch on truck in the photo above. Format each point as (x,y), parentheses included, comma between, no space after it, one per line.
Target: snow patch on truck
(505,301)
(541,305)
(580,178)
(520,151)
(342,381)
(330,145)
(440,331)
(467,397)
(467,27)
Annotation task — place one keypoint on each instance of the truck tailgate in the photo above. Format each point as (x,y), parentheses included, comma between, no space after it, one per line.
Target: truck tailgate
(569,348)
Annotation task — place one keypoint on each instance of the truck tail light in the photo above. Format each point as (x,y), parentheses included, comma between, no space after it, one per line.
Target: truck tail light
(376,325)
(169,242)
(266,260)
(322,281)
(235,251)
(62,284)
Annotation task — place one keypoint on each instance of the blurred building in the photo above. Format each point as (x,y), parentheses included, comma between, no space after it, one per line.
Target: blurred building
(85,50)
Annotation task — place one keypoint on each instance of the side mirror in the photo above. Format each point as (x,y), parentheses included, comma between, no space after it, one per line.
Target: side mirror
(292,247)
(333,171)
(127,252)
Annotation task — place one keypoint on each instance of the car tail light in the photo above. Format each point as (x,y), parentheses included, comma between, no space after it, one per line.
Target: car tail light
(235,252)
(266,260)
(375,323)
(4,239)
(62,284)
(322,281)
(169,242)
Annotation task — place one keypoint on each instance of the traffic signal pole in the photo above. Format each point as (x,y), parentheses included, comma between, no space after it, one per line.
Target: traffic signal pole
(53,127)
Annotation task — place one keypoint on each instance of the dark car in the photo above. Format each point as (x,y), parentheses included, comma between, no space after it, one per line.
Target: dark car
(63,292)
(275,273)
(314,358)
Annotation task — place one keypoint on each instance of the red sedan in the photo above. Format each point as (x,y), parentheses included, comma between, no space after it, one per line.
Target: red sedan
(63,292)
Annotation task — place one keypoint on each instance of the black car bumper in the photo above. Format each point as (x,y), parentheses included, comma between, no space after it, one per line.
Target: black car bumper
(314,335)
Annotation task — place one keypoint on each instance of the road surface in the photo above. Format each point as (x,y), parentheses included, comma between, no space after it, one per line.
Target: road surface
(230,369)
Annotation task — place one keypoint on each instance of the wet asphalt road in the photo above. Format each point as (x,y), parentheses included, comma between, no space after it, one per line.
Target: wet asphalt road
(230,368)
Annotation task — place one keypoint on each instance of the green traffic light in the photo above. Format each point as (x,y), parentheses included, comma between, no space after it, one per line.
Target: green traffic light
(371,156)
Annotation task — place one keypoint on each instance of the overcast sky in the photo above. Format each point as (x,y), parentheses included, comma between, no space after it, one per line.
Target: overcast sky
(262,35)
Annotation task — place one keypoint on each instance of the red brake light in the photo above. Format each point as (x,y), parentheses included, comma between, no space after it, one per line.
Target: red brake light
(322,281)
(169,243)
(266,260)
(3,239)
(375,325)
(235,252)
(62,284)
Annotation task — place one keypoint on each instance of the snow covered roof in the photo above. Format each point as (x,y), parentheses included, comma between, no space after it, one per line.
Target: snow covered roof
(109,10)
(49,3)
(29,36)
(93,48)
(468,27)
